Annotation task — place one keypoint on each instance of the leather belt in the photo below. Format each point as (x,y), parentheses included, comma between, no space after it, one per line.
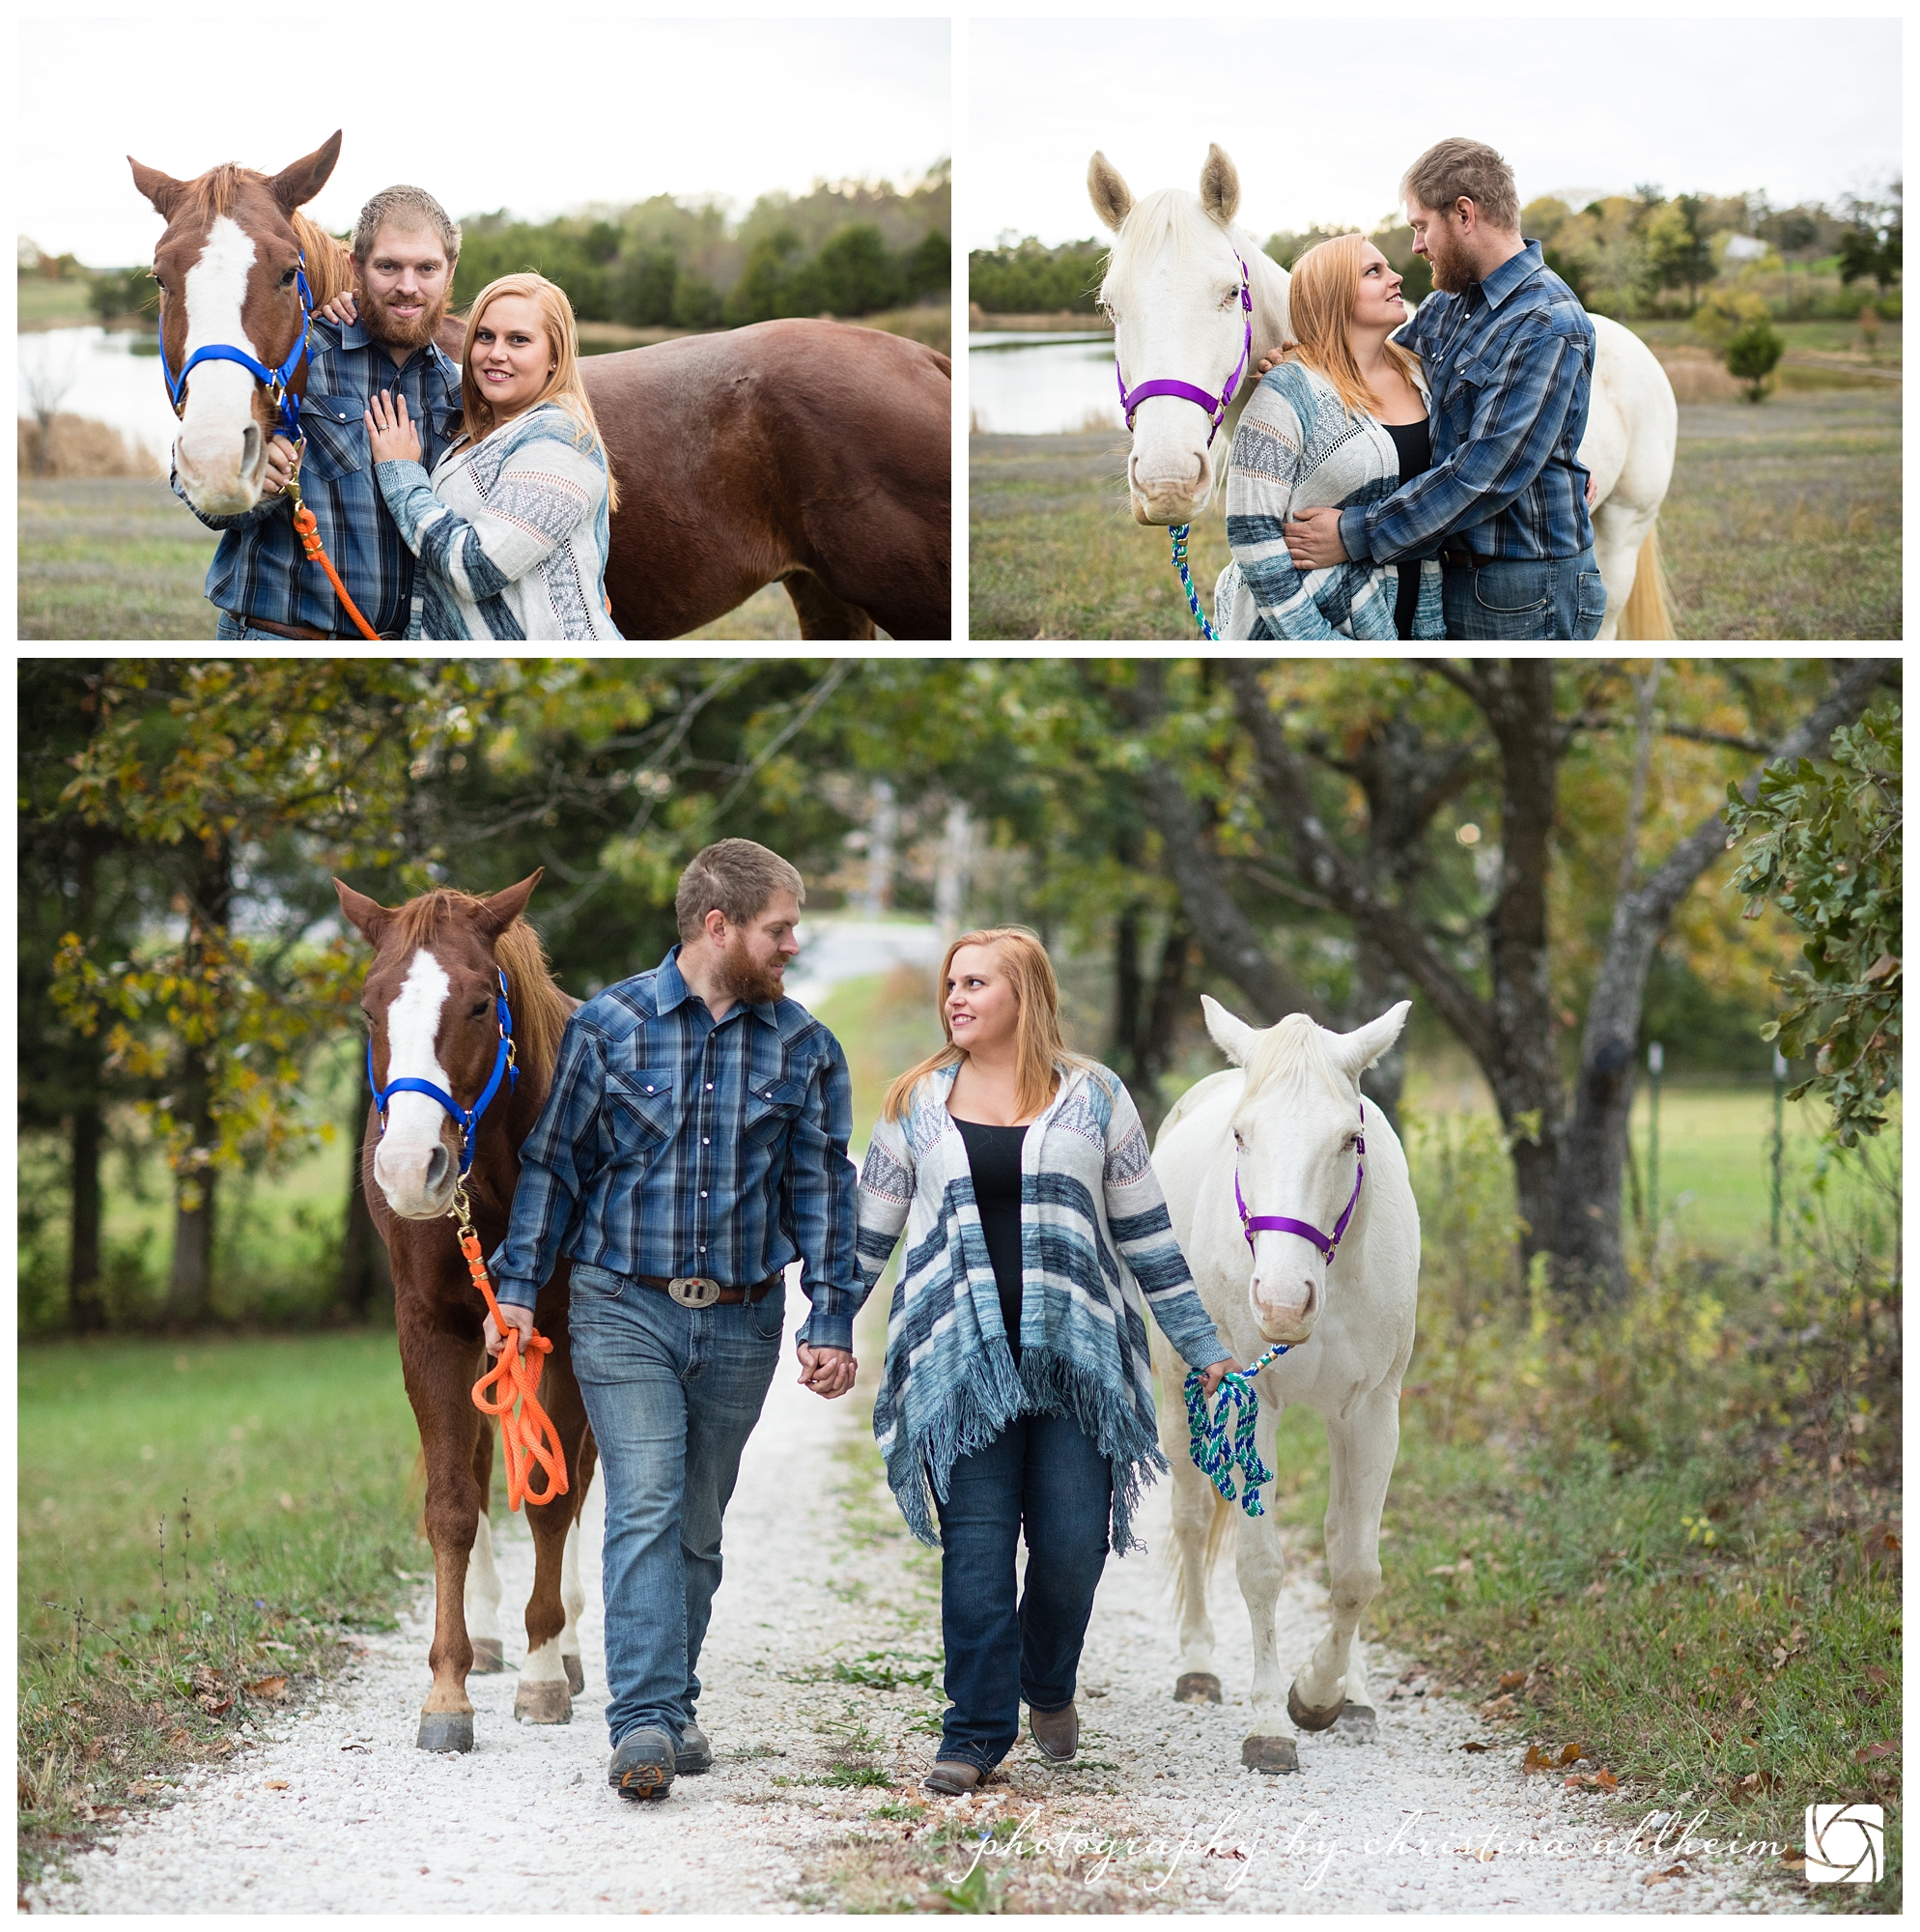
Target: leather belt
(1465,559)
(699,1291)
(301,632)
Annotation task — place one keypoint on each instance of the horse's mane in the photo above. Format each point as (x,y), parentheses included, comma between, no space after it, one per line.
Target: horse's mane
(330,267)
(1291,1052)
(1167,211)
(540,1008)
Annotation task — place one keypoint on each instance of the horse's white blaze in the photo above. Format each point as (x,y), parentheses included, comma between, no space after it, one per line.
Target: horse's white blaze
(404,1160)
(544,1666)
(219,395)
(572,1594)
(482,1600)
(1296,1103)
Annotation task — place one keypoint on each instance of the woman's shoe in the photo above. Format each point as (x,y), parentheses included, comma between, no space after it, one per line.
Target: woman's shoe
(955,1778)
(1055,1732)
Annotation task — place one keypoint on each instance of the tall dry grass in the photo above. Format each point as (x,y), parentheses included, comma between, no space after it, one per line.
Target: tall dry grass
(81,446)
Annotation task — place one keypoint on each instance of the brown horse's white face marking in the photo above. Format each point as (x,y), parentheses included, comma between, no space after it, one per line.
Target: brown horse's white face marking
(413,1165)
(227,266)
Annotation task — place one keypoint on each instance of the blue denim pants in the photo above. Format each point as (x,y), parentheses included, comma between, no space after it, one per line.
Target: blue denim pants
(672,1394)
(1560,598)
(1041,1474)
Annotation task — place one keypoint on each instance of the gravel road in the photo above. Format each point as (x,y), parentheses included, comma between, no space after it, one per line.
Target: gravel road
(337,1811)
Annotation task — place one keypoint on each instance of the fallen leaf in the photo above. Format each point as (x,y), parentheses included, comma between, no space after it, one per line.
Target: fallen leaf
(1512,1680)
(1220,1852)
(215,1706)
(1486,1855)
(1475,1744)
(1756,1784)
(1746,1702)
(1572,1753)
(277,1784)
(1877,1677)
(1499,1707)
(1868,1752)
(1794,1861)
(272,1689)
(1671,1871)
(1536,1759)
(1441,1569)
(1606,1779)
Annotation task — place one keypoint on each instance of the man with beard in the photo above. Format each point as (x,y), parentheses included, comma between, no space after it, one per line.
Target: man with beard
(694,1143)
(1509,356)
(404,250)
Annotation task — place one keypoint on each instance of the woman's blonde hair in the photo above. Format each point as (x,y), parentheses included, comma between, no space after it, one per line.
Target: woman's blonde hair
(1037,996)
(1320,298)
(563,383)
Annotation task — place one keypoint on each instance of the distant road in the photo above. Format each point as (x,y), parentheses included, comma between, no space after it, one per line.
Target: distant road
(836,949)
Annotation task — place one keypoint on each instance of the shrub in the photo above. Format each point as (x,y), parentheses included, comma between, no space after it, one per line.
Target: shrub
(1752,354)
(1724,312)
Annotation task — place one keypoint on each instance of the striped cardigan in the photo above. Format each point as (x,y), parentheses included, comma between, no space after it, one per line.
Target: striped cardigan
(1094,1236)
(1300,447)
(511,533)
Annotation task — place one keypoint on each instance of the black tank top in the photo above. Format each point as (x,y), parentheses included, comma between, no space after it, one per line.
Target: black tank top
(994,1155)
(1415,444)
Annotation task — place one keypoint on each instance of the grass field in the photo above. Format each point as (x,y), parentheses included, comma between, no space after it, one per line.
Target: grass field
(122,558)
(1783,521)
(196,1520)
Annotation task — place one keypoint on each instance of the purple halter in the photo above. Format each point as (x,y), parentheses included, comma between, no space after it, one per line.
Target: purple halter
(1282,1224)
(1214,406)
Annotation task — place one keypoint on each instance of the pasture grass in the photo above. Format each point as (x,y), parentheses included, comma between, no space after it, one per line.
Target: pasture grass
(195,1518)
(1783,521)
(886,1024)
(111,557)
(50,304)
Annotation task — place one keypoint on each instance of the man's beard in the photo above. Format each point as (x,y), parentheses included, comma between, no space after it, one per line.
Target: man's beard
(747,980)
(383,325)
(1452,273)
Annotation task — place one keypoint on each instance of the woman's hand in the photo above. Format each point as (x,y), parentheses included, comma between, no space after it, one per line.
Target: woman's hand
(393,436)
(827,1371)
(343,309)
(1210,1378)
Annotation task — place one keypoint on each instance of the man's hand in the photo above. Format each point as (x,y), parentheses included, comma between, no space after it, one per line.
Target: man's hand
(520,1319)
(1312,539)
(280,460)
(1210,1378)
(1592,492)
(827,1371)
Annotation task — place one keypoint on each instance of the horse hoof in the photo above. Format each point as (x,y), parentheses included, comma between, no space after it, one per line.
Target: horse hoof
(1197,1687)
(1358,1725)
(446,1731)
(575,1676)
(544,1703)
(1307,1717)
(1273,1755)
(489,1654)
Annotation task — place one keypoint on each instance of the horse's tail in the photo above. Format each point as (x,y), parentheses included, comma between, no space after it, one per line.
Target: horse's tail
(1647,614)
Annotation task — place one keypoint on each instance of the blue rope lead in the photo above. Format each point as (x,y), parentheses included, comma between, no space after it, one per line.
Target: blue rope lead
(1207,1440)
(1179,535)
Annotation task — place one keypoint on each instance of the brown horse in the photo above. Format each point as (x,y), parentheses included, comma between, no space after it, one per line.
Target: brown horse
(812,454)
(428,1002)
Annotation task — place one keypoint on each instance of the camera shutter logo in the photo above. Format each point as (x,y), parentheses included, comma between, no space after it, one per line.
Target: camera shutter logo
(1846,1844)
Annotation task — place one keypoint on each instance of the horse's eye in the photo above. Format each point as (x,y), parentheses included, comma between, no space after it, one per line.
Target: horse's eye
(478,1012)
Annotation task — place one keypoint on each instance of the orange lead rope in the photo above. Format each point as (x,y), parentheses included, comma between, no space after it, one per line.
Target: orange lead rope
(308,531)
(528,1436)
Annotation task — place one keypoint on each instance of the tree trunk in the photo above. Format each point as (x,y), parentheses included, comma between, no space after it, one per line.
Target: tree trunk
(190,1290)
(1146,1018)
(86,1311)
(366,1276)
(1590,1250)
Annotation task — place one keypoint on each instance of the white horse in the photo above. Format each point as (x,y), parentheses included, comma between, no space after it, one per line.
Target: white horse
(1283,1129)
(1173,288)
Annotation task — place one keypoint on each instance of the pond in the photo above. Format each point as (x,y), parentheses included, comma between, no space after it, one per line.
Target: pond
(111,375)
(1041,385)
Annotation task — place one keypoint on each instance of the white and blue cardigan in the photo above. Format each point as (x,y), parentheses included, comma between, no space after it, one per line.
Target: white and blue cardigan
(1094,1238)
(1300,447)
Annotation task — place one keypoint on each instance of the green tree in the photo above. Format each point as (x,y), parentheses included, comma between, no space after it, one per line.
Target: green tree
(1752,352)
(1822,843)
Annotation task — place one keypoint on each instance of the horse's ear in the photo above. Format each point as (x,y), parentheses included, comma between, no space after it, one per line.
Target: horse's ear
(504,907)
(298,182)
(1234,1037)
(368,916)
(1358,1050)
(1220,186)
(1111,197)
(162,190)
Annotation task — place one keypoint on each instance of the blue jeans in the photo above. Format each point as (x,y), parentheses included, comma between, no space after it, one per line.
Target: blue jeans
(1560,598)
(672,1394)
(1042,1473)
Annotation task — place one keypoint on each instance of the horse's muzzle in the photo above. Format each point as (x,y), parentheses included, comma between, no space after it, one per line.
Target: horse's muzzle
(220,471)
(1286,1312)
(1162,498)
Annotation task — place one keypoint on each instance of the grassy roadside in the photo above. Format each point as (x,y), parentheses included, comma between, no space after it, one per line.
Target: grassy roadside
(200,1523)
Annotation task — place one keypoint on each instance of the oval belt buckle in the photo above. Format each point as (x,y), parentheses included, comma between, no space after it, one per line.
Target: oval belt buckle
(694,1291)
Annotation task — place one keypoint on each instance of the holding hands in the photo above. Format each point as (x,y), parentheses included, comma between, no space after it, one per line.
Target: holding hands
(393,436)
(827,1371)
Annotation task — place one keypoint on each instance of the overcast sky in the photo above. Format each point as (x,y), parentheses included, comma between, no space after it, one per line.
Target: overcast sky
(1321,116)
(550,113)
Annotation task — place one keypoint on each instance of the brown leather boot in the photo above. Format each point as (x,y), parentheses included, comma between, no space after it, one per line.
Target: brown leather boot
(1055,1732)
(955,1778)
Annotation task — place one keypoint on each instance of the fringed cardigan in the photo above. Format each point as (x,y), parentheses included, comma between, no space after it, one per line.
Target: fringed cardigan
(1094,1236)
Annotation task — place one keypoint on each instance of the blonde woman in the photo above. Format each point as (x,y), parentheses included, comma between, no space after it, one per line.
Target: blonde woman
(511,529)
(1017,1393)
(1340,420)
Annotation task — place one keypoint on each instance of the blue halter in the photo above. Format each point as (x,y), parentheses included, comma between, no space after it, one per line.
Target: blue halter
(505,1067)
(276,379)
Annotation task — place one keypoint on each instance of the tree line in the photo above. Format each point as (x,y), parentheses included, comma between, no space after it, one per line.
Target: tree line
(1537,853)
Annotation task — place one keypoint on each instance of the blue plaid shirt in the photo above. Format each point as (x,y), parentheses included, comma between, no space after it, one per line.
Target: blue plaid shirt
(672,1146)
(1511,365)
(260,569)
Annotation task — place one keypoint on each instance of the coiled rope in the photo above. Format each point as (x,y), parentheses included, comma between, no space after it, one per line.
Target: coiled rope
(1223,1454)
(1179,533)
